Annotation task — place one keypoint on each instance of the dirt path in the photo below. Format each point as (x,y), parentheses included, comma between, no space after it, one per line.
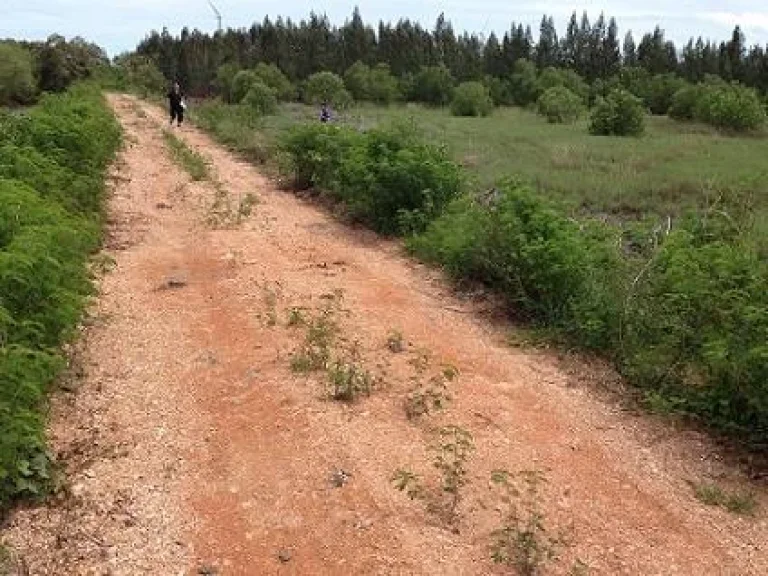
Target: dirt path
(192,447)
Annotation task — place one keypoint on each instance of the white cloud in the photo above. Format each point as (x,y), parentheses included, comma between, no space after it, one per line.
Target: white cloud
(747,20)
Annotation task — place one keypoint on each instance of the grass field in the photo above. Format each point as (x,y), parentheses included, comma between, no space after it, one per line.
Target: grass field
(673,167)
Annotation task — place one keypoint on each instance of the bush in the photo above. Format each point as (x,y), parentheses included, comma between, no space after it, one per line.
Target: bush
(730,106)
(471,99)
(224,81)
(620,114)
(327,87)
(552,77)
(683,106)
(385,178)
(499,91)
(383,88)
(52,169)
(560,106)
(241,84)
(433,85)
(524,84)
(357,81)
(274,78)
(660,92)
(261,99)
(139,73)
(17,82)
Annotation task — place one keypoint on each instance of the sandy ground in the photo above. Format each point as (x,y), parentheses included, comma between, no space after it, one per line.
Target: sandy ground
(191,446)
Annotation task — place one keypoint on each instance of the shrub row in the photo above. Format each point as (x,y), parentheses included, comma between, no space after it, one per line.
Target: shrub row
(728,106)
(687,321)
(386,178)
(52,166)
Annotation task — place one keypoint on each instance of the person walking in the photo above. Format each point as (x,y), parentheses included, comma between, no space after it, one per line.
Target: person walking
(176,104)
(325,113)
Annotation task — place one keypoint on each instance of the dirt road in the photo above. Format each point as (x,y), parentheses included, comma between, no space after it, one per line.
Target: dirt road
(193,447)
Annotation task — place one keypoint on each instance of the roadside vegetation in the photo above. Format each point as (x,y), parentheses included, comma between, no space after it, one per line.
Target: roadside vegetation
(53,162)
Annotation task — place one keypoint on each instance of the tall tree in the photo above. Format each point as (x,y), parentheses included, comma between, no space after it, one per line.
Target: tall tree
(548,48)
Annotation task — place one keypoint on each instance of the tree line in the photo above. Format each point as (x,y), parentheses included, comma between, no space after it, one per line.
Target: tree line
(594,50)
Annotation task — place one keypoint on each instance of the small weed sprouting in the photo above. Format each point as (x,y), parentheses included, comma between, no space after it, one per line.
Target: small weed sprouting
(194,163)
(450,372)
(296,317)
(742,503)
(315,352)
(103,263)
(420,362)
(427,398)
(395,342)
(245,206)
(522,540)
(408,482)
(348,381)
(451,453)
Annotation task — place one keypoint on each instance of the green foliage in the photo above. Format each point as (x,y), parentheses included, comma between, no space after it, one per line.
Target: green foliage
(184,156)
(17,82)
(273,77)
(730,106)
(357,80)
(383,87)
(327,87)
(620,114)
(241,84)
(63,145)
(684,101)
(261,99)
(134,72)
(524,84)
(660,92)
(386,178)
(552,77)
(433,85)
(560,106)
(225,76)
(471,99)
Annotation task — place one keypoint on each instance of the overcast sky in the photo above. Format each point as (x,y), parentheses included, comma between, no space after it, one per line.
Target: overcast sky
(118,25)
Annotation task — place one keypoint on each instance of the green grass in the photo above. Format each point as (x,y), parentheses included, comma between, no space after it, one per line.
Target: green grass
(184,156)
(743,504)
(672,167)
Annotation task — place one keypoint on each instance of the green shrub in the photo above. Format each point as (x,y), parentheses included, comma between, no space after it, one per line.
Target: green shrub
(17,82)
(620,114)
(52,168)
(524,84)
(327,87)
(560,106)
(661,91)
(471,99)
(383,87)
(433,85)
(357,81)
(241,84)
(261,99)
(225,76)
(499,90)
(386,178)
(552,77)
(730,106)
(139,73)
(683,106)
(274,78)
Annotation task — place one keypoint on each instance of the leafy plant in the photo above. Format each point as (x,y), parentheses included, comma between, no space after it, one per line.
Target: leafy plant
(620,114)
(736,502)
(433,85)
(560,106)
(261,99)
(348,381)
(427,398)
(327,87)
(452,451)
(471,99)
(271,76)
(191,160)
(395,342)
(408,482)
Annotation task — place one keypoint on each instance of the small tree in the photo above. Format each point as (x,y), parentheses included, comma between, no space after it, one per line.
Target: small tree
(241,84)
(224,77)
(17,83)
(620,114)
(730,106)
(357,80)
(471,99)
(274,78)
(327,87)
(524,84)
(660,92)
(551,77)
(261,99)
(560,106)
(683,106)
(433,85)
(383,87)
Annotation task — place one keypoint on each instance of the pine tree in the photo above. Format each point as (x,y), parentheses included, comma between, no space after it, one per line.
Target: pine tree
(630,50)
(548,48)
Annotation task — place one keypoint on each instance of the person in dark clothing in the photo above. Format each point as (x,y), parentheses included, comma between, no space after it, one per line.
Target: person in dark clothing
(325,113)
(176,103)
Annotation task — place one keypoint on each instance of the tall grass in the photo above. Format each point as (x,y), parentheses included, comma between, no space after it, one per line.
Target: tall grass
(52,168)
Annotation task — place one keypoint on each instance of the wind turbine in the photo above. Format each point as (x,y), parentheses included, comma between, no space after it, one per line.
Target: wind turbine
(216,12)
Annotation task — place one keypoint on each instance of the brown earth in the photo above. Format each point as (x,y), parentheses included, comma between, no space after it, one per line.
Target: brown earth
(191,447)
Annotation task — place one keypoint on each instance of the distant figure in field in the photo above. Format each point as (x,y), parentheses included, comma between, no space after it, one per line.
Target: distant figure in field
(176,104)
(325,113)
